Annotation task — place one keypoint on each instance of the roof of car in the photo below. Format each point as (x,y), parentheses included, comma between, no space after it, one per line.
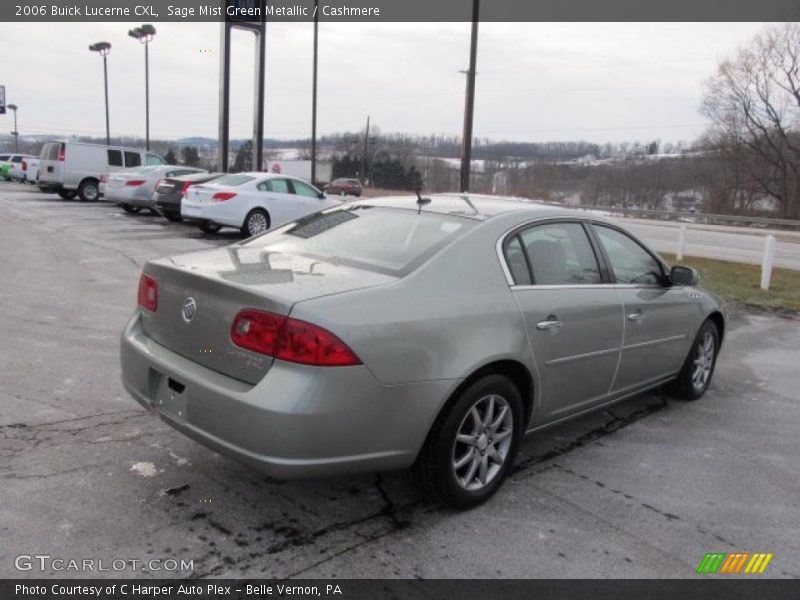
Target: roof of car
(474,206)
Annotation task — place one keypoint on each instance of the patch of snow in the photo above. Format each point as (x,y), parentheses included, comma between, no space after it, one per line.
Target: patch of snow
(145,469)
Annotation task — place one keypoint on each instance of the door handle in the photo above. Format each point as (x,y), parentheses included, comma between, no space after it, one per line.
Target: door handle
(551,324)
(636,315)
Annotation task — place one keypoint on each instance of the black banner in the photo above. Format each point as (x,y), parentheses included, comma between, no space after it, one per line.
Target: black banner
(712,587)
(397,10)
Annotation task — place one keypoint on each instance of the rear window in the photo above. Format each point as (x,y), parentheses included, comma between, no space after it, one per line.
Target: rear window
(233,180)
(4,157)
(50,151)
(115,158)
(388,241)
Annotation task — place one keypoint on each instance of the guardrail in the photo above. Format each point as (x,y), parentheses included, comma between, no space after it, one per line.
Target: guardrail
(708,219)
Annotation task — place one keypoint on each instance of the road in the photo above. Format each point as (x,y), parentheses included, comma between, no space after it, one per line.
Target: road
(642,490)
(721,242)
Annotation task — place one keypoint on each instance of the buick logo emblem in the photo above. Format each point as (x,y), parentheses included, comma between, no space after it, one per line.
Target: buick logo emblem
(189,309)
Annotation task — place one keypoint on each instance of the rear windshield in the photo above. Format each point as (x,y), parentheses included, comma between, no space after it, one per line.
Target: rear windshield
(388,241)
(233,180)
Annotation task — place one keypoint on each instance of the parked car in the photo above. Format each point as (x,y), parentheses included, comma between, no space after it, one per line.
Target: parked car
(7,164)
(253,202)
(396,332)
(70,168)
(132,189)
(26,170)
(170,190)
(344,186)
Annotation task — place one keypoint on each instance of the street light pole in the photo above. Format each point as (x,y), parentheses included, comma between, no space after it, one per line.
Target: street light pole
(103,48)
(15,133)
(469,105)
(145,35)
(314,101)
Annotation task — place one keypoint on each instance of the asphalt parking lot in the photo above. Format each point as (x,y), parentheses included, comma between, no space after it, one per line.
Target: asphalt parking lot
(642,490)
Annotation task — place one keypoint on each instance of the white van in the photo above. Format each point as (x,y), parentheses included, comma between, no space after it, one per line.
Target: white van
(71,168)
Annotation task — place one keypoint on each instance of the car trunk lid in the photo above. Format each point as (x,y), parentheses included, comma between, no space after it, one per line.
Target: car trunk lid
(220,283)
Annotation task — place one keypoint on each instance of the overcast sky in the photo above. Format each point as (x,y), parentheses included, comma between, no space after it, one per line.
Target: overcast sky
(536,81)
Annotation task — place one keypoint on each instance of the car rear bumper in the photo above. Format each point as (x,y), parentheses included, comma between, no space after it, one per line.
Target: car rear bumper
(221,213)
(128,196)
(49,187)
(297,422)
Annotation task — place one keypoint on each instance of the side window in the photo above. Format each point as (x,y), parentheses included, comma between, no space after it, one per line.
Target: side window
(133,159)
(630,262)
(560,254)
(280,186)
(517,263)
(154,160)
(303,189)
(114,158)
(264,186)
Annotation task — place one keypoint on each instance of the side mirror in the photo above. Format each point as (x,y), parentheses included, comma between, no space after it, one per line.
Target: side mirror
(321,195)
(679,275)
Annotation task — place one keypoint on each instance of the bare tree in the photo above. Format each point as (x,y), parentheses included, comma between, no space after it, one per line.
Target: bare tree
(753,102)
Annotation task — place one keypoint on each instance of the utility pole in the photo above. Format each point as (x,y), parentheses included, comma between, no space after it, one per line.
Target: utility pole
(366,149)
(314,101)
(466,142)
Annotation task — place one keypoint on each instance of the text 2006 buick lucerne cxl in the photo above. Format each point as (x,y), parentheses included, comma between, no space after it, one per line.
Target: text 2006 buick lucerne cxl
(399,332)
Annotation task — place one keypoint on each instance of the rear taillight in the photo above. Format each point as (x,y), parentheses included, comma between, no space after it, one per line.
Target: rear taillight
(148,292)
(222,196)
(103,178)
(135,182)
(24,166)
(62,154)
(290,340)
(185,188)
(158,184)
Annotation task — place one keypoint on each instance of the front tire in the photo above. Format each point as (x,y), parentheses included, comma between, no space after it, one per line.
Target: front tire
(698,368)
(473,444)
(89,190)
(256,222)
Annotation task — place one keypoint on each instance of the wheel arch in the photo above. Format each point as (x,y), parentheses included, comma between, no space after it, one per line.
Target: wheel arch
(514,370)
(719,320)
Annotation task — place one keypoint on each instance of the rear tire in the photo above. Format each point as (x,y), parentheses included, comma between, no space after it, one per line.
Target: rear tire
(256,222)
(130,209)
(210,227)
(173,217)
(472,445)
(89,190)
(698,368)
(67,194)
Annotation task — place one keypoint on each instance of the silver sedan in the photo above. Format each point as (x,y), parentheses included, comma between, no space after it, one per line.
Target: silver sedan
(401,332)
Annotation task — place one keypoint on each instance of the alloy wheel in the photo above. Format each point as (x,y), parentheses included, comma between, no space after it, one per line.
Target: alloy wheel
(483,442)
(703,361)
(256,223)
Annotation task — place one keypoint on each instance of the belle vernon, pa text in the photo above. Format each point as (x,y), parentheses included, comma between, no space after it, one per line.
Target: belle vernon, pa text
(155,591)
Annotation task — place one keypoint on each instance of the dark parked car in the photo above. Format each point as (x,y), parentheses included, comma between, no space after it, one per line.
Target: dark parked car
(169,191)
(342,187)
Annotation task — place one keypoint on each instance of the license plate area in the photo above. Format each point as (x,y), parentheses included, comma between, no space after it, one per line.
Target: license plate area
(168,394)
